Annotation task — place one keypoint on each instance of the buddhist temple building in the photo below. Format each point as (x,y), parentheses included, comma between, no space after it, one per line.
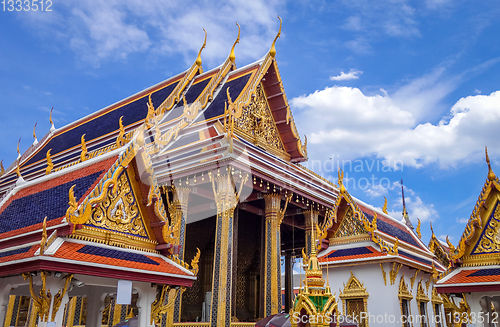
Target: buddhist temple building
(177,205)
(470,286)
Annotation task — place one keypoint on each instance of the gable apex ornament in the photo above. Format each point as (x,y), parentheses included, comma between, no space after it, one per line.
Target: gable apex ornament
(491,174)
(272,51)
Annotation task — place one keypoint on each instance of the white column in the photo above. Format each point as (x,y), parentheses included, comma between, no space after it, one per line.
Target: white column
(95,306)
(147,296)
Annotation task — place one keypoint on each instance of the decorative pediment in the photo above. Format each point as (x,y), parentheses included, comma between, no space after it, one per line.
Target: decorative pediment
(403,292)
(119,212)
(257,124)
(349,226)
(421,296)
(489,241)
(436,298)
(353,289)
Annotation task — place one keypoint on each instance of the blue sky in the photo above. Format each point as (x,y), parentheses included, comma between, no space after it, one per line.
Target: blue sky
(371,83)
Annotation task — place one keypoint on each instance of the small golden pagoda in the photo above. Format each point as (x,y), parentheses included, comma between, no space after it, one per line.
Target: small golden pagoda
(315,304)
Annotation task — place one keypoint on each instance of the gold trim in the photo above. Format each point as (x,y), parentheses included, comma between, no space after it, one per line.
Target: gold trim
(418,228)
(59,297)
(384,208)
(163,303)
(383,273)
(394,272)
(83,154)
(412,279)
(403,292)
(41,303)
(50,165)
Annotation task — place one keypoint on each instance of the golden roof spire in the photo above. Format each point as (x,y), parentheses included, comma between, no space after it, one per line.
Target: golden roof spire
(18,152)
(50,117)
(34,134)
(491,174)
(384,208)
(272,52)
(198,59)
(2,169)
(432,230)
(232,57)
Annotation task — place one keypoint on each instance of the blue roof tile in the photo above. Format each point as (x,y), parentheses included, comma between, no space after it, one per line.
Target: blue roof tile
(53,203)
(216,108)
(107,123)
(394,231)
(486,272)
(117,254)
(349,252)
(13,252)
(414,257)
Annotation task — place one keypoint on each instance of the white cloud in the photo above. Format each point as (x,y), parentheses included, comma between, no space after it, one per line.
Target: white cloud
(346,121)
(462,220)
(352,74)
(99,31)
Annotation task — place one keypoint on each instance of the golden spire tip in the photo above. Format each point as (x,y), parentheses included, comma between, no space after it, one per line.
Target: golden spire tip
(272,52)
(232,56)
(18,152)
(491,174)
(34,128)
(198,59)
(50,117)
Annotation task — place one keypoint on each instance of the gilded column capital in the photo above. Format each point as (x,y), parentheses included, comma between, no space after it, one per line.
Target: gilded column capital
(273,202)
(181,196)
(311,218)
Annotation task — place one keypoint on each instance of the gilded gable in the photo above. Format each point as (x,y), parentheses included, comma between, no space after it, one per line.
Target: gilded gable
(489,241)
(257,124)
(350,226)
(119,212)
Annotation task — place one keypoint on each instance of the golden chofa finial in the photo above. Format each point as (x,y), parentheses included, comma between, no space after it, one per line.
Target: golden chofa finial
(50,117)
(198,59)
(18,171)
(384,208)
(34,134)
(491,174)
(18,152)
(272,52)
(2,169)
(232,57)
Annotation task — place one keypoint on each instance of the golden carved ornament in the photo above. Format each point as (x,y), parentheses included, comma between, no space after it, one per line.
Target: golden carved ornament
(18,171)
(34,133)
(227,66)
(394,272)
(2,169)
(18,152)
(421,296)
(490,240)
(427,284)
(150,117)
(474,223)
(403,292)
(83,154)
(418,229)
(383,274)
(50,165)
(462,309)
(322,231)
(436,298)
(50,117)
(164,302)
(42,301)
(272,51)
(412,279)
(189,113)
(59,296)
(384,208)
(120,140)
(232,56)
(195,261)
(119,211)
(256,121)
(175,95)
(353,289)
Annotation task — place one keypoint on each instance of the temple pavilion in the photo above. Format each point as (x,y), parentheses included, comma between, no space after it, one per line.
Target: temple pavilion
(179,203)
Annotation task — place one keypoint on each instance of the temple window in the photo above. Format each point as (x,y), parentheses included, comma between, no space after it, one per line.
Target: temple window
(355,299)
